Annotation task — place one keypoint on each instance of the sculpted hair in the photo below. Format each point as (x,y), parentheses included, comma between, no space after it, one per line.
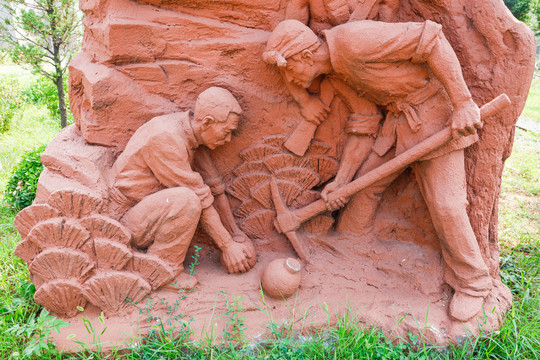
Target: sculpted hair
(216,102)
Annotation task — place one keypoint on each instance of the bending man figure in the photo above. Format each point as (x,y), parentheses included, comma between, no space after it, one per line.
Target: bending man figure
(165,199)
(410,70)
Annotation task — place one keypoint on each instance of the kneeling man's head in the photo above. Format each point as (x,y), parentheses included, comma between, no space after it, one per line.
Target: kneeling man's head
(216,116)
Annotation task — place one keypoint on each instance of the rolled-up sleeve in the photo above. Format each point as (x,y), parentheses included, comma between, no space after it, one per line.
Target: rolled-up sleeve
(428,39)
(361,124)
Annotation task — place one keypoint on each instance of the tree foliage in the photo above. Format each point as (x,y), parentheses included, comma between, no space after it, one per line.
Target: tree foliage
(520,8)
(22,185)
(527,11)
(44,34)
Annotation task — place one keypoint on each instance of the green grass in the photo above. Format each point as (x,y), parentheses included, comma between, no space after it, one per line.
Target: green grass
(16,304)
(30,129)
(532,108)
(32,126)
(519,224)
(519,210)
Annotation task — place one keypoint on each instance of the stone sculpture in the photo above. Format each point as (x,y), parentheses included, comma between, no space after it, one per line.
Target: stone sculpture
(388,67)
(163,221)
(101,235)
(158,199)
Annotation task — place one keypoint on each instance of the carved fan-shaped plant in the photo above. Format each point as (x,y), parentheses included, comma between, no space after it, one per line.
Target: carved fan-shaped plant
(61,263)
(241,186)
(247,207)
(32,215)
(304,177)
(112,290)
(325,166)
(258,152)
(152,269)
(61,296)
(318,148)
(259,223)
(319,225)
(295,176)
(111,255)
(100,226)
(277,162)
(289,190)
(76,203)
(249,167)
(59,232)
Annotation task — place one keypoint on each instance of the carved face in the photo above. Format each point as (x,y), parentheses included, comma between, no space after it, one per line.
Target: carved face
(300,69)
(215,133)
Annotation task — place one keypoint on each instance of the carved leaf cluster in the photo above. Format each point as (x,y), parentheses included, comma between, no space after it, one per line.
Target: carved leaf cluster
(76,256)
(295,176)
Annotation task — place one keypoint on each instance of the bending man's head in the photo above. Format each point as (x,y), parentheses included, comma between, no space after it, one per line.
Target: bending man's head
(293,47)
(215,117)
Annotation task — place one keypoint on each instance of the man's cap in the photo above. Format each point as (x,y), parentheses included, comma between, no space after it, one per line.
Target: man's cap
(288,38)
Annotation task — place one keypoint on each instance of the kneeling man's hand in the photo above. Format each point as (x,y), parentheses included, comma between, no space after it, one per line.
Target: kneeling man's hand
(239,255)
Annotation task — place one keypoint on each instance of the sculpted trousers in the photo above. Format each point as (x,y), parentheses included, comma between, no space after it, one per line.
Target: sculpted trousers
(164,223)
(443,186)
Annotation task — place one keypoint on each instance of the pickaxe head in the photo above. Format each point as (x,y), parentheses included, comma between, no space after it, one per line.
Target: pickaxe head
(286,222)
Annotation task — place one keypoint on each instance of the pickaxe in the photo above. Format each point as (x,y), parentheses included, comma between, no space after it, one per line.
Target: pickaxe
(287,221)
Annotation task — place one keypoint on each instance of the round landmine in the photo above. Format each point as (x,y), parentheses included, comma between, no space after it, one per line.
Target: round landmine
(281,278)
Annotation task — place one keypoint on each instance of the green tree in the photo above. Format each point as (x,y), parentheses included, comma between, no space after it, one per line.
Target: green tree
(535,21)
(44,34)
(520,8)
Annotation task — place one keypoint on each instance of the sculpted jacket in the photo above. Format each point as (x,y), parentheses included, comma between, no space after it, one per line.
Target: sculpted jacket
(386,63)
(160,155)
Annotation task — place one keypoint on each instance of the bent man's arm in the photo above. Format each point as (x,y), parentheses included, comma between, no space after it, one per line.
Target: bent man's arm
(445,65)
(238,251)
(205,166)
(299,10)
(311,106)
(362,127)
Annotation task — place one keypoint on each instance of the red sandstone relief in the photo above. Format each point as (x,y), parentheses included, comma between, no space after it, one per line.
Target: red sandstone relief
(139,179)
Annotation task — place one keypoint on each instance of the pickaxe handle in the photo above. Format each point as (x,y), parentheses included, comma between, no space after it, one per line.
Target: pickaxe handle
(399,162)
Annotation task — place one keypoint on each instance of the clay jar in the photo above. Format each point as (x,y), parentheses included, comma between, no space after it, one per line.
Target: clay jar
(282,277)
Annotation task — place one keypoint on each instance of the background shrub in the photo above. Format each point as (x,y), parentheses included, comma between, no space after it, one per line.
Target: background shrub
(10,99)
(21,186)
(42,91)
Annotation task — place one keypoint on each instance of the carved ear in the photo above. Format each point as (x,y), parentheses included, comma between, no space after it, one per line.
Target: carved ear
(307,56)
(207,121)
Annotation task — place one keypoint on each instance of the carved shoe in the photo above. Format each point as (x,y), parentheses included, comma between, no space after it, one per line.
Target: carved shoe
(464,306)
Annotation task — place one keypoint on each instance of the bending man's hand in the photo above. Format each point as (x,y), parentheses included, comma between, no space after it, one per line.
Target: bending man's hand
(314,110)
(239,255)
(332,201)
(465,119)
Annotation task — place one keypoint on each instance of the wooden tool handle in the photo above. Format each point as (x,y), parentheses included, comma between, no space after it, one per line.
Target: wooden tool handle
(399,162)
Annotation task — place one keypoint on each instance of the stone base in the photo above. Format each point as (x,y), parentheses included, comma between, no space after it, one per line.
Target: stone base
(393,285)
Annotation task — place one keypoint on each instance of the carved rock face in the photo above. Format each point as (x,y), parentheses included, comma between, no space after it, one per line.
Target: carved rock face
(142,59)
